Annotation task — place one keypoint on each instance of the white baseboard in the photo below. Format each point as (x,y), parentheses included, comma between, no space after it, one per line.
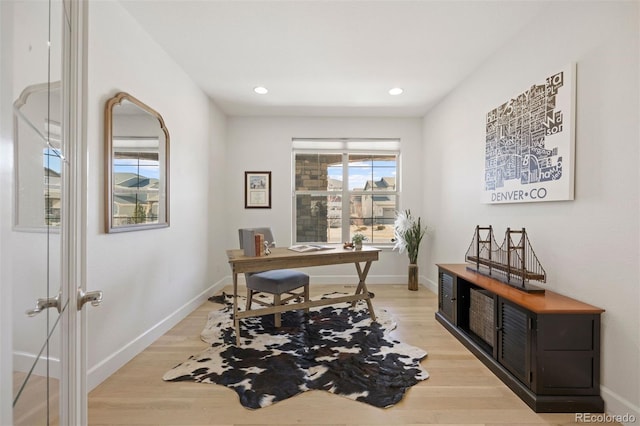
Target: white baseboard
(23,362)
(98,373)
(431,285)
(622,410)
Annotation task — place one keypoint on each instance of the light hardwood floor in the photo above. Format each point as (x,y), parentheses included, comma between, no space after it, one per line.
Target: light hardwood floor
(33,407)
(460,390)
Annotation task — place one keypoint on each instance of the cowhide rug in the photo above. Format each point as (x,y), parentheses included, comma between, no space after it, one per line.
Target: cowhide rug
(334,348)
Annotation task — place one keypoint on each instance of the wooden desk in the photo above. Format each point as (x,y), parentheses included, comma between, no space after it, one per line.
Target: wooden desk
(283,258)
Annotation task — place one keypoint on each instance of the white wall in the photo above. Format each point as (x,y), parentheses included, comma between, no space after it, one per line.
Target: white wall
(151,279)
(218,210)
(589,246)
(264,144)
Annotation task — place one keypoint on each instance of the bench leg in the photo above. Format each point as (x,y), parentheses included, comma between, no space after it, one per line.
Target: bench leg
(249,299)
(277,315)
(306,297)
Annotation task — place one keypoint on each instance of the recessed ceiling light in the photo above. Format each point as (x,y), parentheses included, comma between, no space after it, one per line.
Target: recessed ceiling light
(396,91)
(261,90)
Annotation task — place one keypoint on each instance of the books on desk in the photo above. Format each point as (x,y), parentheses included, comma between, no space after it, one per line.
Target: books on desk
(253,243)
(309,247)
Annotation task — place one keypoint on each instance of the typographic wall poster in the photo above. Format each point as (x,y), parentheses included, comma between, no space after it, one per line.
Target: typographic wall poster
(530,144)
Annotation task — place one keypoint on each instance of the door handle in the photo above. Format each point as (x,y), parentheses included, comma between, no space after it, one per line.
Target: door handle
(95,297)
(46,303)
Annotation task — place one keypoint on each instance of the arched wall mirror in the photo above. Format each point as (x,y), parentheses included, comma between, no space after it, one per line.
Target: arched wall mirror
(38,157)
(137,166)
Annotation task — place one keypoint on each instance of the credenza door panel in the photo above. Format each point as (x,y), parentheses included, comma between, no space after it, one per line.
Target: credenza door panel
(514,349)
(447,296)
(567,354)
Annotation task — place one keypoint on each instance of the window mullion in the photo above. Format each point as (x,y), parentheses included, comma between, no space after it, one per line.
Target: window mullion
(346,199)
(351,192)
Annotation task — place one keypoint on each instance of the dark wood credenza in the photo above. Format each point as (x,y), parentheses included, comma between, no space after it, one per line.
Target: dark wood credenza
(545,347)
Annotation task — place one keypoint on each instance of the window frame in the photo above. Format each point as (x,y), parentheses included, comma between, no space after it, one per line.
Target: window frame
(345,147)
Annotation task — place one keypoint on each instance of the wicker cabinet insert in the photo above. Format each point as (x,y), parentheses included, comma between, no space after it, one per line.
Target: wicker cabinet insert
(482,315)
(546,348)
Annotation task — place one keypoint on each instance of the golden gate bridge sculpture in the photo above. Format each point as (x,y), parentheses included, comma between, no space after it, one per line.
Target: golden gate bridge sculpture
(513,262)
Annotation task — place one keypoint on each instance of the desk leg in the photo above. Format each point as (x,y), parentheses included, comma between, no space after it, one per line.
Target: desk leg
(236,321)
(362,287)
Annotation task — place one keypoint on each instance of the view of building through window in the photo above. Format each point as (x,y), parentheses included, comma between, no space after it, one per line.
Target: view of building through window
(136,182)
(52,181)
(338,194)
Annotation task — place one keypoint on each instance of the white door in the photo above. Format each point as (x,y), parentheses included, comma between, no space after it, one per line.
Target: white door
(43,241)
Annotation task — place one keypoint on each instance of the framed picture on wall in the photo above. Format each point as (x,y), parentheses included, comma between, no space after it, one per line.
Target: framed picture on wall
(257,190)
(530,143)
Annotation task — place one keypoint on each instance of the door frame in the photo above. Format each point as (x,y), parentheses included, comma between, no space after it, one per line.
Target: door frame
(6,182)
(6,193)
(73,387)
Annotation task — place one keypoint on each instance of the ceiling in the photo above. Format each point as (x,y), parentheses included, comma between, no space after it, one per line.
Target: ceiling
(331,57)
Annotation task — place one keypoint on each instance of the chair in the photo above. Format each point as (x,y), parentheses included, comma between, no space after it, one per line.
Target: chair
(277,282)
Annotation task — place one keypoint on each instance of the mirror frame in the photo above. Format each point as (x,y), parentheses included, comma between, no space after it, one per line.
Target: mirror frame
(19,222)
(108,138)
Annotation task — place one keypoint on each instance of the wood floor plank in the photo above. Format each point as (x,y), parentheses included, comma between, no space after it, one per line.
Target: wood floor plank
(460,390)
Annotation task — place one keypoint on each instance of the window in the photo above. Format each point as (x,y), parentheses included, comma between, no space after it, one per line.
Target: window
(343,187)
(37,135)
(52,179)
(136,180)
